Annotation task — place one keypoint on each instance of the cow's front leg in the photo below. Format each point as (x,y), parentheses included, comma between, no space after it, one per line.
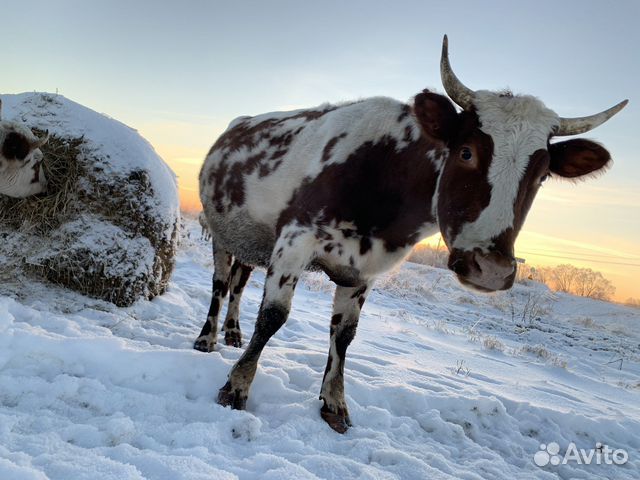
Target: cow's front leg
(344,321)
(222,268)
(281,279)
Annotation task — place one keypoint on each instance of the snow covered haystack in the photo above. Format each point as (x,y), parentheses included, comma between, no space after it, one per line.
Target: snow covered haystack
(108,225)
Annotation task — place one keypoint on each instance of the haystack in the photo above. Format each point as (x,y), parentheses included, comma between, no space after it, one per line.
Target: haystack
(108,225)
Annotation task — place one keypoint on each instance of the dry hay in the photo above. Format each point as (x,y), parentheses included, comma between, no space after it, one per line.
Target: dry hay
(92,231)
(45,212)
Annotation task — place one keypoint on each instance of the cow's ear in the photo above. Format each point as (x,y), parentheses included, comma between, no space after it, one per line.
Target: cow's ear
(15,147)
(436,114)
(577,157)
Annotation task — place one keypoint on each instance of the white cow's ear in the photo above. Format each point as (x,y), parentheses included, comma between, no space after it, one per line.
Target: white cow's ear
(577,158)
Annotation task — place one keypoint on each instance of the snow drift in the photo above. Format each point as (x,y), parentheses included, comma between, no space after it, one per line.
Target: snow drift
(108,226)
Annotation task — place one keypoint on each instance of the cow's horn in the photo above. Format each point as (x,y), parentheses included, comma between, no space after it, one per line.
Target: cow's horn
(456,90)
(38,142)
(578,125)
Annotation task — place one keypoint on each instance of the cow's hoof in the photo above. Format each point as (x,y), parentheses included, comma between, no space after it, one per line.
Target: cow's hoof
(204,344)
(340,421)
(233,338)
(231,398)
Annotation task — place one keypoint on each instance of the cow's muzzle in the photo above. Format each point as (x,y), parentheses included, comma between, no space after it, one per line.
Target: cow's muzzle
(486,272)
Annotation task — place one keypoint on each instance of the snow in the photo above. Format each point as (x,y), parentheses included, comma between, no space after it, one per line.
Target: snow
(115,253)
(441,383)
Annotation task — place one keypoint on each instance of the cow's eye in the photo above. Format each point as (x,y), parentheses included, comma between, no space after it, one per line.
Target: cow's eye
(466,154)
(544,178)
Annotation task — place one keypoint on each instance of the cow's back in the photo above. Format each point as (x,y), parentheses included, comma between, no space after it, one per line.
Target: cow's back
(252,172)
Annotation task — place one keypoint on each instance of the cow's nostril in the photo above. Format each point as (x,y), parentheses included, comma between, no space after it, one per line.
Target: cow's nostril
(459,266)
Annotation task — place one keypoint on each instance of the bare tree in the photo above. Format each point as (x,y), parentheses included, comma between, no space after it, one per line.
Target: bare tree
(562,277)
(584,282)
(589,283)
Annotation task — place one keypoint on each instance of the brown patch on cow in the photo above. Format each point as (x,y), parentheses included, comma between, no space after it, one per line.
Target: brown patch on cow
(220,288)
(365,245)
(322,234)
(465,192)
(270,271)
(245,135)
(206,328)
(244,277)
(228,179)
(15,146)
(328,247)
(344,338)
(278,154)
(329,362)
(386,192)
(361,300)
(328,148)
(404,112)
(283,140)
(336,319)
(359,292)
(214,309)
(408,134)
(234,267)
(283,279)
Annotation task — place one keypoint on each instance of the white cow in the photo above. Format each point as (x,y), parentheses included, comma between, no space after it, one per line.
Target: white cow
(21,173)
(351,188)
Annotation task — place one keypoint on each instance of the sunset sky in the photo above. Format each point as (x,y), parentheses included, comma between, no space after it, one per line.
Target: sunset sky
(178,72)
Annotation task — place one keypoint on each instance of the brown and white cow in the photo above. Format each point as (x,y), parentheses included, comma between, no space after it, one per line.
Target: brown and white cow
(21,173)
(351,188)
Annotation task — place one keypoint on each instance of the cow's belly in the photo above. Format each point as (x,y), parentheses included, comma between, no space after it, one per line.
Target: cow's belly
(249,240)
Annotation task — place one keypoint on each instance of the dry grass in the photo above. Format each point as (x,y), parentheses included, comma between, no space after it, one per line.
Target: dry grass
(43,213)
(77,187)
(544,354)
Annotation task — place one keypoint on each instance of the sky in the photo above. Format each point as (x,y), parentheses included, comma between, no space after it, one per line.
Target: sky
(179,72)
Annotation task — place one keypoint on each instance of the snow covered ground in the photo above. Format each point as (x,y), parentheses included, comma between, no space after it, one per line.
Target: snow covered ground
(441,383)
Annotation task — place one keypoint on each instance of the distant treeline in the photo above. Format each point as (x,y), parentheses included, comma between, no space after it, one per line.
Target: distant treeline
(583,282)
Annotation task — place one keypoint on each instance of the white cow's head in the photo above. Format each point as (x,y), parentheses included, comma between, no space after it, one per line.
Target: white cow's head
(21,173)
(502,151)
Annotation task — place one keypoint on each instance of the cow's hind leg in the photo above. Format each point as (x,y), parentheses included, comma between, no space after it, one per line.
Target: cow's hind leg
(222,268)
(281,279)
(346,311)
(239,276)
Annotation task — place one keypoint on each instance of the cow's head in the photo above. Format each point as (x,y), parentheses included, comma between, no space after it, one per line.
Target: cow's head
(499,154)
(21,172)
